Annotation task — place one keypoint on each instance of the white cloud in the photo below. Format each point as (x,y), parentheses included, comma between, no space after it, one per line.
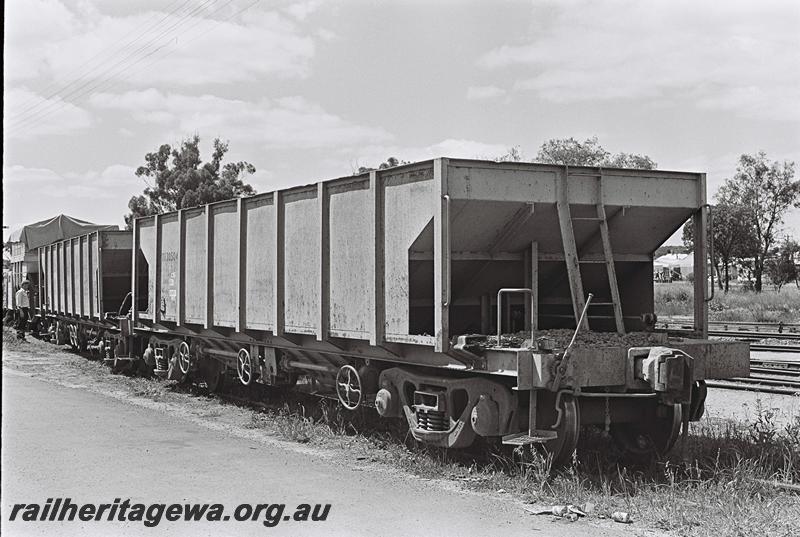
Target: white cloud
(484,92)
(327,35)
(30,29)
(457,148)
(262,180)
(741,57)
(107,183)
(32,194)
(191,47)
(28,115)
(373,155)
(21,175)
(301,10)
(285,122)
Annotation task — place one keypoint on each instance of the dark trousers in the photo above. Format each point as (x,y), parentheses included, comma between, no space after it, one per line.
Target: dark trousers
(22,322)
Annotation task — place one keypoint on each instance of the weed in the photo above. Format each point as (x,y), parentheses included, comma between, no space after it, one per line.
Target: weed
(296,427)
(737,305)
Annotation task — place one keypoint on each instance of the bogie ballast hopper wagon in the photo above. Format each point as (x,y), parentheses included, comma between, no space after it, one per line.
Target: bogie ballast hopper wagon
(471,298)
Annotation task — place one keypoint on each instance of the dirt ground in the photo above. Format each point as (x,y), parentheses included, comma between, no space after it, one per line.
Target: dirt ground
(744,405)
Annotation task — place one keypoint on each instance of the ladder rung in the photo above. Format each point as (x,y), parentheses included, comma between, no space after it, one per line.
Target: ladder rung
(590,218)
(562,316)
(524,439)
(593,303)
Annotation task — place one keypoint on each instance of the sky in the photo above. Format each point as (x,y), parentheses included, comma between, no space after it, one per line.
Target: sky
(312,90)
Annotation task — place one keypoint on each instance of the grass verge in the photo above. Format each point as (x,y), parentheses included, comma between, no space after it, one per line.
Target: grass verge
(746,306)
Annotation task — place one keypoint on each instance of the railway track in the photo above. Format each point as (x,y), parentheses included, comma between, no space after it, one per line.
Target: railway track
(768,376)
(754,333)
(775,348)
(740,330)
(783,330)
(684,330)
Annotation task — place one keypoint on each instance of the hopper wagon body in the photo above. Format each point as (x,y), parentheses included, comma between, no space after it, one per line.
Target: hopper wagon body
(470,298)
(388,287)
(84,285)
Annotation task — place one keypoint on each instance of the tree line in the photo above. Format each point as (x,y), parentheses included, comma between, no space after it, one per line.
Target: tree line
(748,216)
(748,211)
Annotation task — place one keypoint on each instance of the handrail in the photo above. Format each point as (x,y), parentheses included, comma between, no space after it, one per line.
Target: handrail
(446,223)
(500,293)
(710,238)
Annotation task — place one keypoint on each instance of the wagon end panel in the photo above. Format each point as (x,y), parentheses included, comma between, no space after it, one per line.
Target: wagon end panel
(410,203)
(93,255)
(146,268)
(502,213)
(114,252)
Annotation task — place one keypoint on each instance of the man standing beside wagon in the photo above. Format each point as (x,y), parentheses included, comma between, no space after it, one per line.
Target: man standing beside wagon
(23,302)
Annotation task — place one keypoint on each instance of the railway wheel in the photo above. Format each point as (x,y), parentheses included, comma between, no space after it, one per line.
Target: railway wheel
(568,429)
(184,357)
(244,367)
(348,387)
(654,435)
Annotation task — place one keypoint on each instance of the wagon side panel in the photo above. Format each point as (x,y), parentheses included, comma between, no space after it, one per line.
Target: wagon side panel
(194,284)
(86,282)
(93,255)
(301,261)
(77,289)
(259,276)
(48,282)
(59,276)
(69,278)
(225,263)
(351,259)
(169,229)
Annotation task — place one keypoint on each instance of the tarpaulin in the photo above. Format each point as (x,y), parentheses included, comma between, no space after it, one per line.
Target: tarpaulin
(54,229)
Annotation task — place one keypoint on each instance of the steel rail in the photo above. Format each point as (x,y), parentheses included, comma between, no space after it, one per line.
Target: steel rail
(742,384)
(774,371)
(775,348)
(781,365)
